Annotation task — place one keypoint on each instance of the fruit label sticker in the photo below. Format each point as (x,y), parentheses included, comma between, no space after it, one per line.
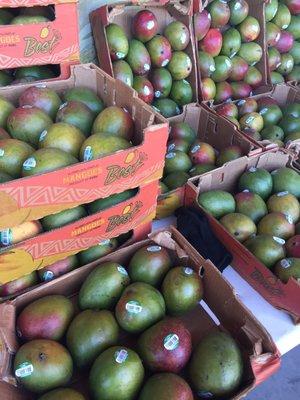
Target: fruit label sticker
(120,55)
(43,135)
(122,270)
(171,147)
(157,93)
(282,194)
(263,111)
(24,370)
(246,191)
(27,107)
(289,219)
(279,240)
(165,62)
(171,342)
(205,395)
(195,148)
(134,307)
(249,119)
(63,106)
(48,276)
(154,249)
(88,153)
(105,242)
(2,152)
(6,237)
(121,356)
(237,6)
(285,263)
(252,169)
(41,86)
(170,155)
(241,102)
(29,164)
(188,271)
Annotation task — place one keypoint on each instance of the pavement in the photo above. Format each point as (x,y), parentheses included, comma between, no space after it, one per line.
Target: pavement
(285,385)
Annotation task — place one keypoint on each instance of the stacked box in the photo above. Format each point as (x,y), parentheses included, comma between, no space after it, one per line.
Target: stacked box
(52,43)
(165,11)
(220,310)
(139,167)
(284,296)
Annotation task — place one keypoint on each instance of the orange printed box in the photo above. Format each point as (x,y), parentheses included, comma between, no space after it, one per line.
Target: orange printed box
(58,244)
(47,42)
(33,198)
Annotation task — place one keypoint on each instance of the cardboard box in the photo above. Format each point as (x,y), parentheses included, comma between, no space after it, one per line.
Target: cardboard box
(219,310)
(212,129)
(58,244)
(282,296)
(283,94)
(52,42)
(257,10)
(123,15)
(34,197)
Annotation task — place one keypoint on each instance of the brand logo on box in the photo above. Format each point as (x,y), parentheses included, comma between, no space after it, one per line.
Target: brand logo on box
(127,216)
(46,43)
(133,162)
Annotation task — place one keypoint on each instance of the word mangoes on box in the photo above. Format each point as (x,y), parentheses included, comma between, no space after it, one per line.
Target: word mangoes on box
(123,15)
(282,296)
(58,244)
(210,129)
(33,198)
(261,358)
(52,42)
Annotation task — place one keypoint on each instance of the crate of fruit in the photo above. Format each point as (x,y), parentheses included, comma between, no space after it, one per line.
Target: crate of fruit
(40,167)
(282,39)
(35,245)
(36,33)
(150,48)
(230,48)
(270,119)
(173,339)
(199,141)
(253,207)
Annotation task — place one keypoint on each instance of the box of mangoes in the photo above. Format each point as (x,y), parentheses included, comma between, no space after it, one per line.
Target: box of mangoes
(153,320)
(199,141)
(72,142)
(270,119)
(231,49)
(35,245)
(34,33)
(150,48)
(282,36)
(252,205)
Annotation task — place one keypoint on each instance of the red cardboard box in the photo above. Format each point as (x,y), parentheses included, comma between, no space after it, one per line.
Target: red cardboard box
(52,42)
(34,197)
(123,15)
(220,310)
(285,297)
(50,247)
(211,129)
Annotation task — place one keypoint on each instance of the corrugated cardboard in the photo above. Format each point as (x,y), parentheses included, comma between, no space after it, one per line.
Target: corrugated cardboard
(282,296)
(212,129)
(257,10)
(50,247)
(227,313)
(34,197)
(123,15)
(52,42)
(284,94)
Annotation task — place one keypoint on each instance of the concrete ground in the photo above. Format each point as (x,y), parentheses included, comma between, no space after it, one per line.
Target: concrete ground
(285,385)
